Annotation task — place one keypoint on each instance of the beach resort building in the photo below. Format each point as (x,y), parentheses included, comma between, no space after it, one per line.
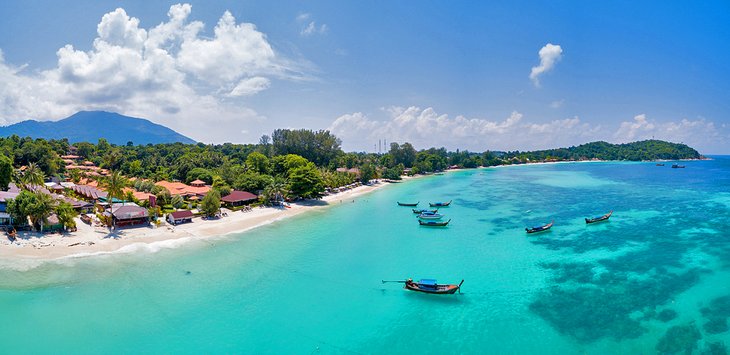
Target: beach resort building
(128,215)
(239,198)
(52,224)
(179,217)
(4,197)
(190,192)
(5,218)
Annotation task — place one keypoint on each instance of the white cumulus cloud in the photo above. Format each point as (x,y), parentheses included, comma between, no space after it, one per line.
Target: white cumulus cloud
(250,86)
(426,128)
(310,27)
(639,127)
(170,73)
(700,133)
(550,54)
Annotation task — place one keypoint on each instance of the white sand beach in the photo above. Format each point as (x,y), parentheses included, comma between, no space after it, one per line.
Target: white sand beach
(89,240)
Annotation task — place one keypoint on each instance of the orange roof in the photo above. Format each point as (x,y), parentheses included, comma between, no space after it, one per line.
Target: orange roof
(140,195)
(81,167)
(90,182)
(197,182)
(178,188)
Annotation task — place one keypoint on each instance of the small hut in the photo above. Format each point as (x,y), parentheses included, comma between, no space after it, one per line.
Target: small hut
(179,217)
(239,198)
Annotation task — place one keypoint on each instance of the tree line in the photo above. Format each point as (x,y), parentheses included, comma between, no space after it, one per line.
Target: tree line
(297,163)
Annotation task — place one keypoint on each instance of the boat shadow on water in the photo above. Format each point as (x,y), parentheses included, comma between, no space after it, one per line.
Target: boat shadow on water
(443,299)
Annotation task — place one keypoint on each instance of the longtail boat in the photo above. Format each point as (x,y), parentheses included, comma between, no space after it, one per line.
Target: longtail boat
(439,204)
(433,224)
(430,216)
(539,228)
(677,166)
(417,211)
(600,218)
(430,286)
(408,204)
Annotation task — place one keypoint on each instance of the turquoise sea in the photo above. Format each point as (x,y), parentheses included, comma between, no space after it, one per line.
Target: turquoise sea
(653,279)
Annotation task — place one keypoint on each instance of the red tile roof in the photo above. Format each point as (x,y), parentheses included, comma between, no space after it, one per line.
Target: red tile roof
(129,212)
(237,196)
(182,214)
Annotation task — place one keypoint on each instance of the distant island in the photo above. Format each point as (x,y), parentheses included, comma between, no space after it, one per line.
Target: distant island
(89,126)
(636,151)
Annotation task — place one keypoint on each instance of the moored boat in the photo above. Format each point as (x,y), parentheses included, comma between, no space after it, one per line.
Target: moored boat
(677,166)
(539,228)
(12,235)
(440,204)
(417,211)
(430,216)
(433,223)
(407,204)
(660,164)
(431,286)
(600,218)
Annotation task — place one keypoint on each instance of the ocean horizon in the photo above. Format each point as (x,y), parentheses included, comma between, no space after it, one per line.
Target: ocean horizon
(654,278)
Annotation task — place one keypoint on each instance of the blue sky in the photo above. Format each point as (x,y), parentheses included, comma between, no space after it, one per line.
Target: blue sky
(454,74)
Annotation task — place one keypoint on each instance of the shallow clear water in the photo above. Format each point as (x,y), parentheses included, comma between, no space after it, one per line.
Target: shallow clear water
(655,278)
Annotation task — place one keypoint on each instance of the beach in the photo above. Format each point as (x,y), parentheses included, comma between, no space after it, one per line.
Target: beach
(90,240)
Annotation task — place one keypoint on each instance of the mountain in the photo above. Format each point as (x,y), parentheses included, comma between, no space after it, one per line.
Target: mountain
(89,126)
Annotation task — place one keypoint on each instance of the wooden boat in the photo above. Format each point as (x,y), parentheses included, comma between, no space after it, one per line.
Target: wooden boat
(600,218)
(430,216)
(660,164)
(408,204)
(439,204)
(677,166)
(417,211)
(539,228)
(431,286)
(433,223)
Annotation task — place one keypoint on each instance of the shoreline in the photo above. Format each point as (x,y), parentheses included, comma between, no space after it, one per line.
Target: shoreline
(34,249)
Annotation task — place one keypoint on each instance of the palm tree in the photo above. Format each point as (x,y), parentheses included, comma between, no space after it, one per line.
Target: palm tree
(276,190)
(42,208)
(114,185)
(32,176)
(66,214)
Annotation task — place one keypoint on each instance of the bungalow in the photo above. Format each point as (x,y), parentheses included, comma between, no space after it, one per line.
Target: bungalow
(178,217)
(4,197)
(52,224)
(5,219)
(129,215)
(238,198)
(89,192)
